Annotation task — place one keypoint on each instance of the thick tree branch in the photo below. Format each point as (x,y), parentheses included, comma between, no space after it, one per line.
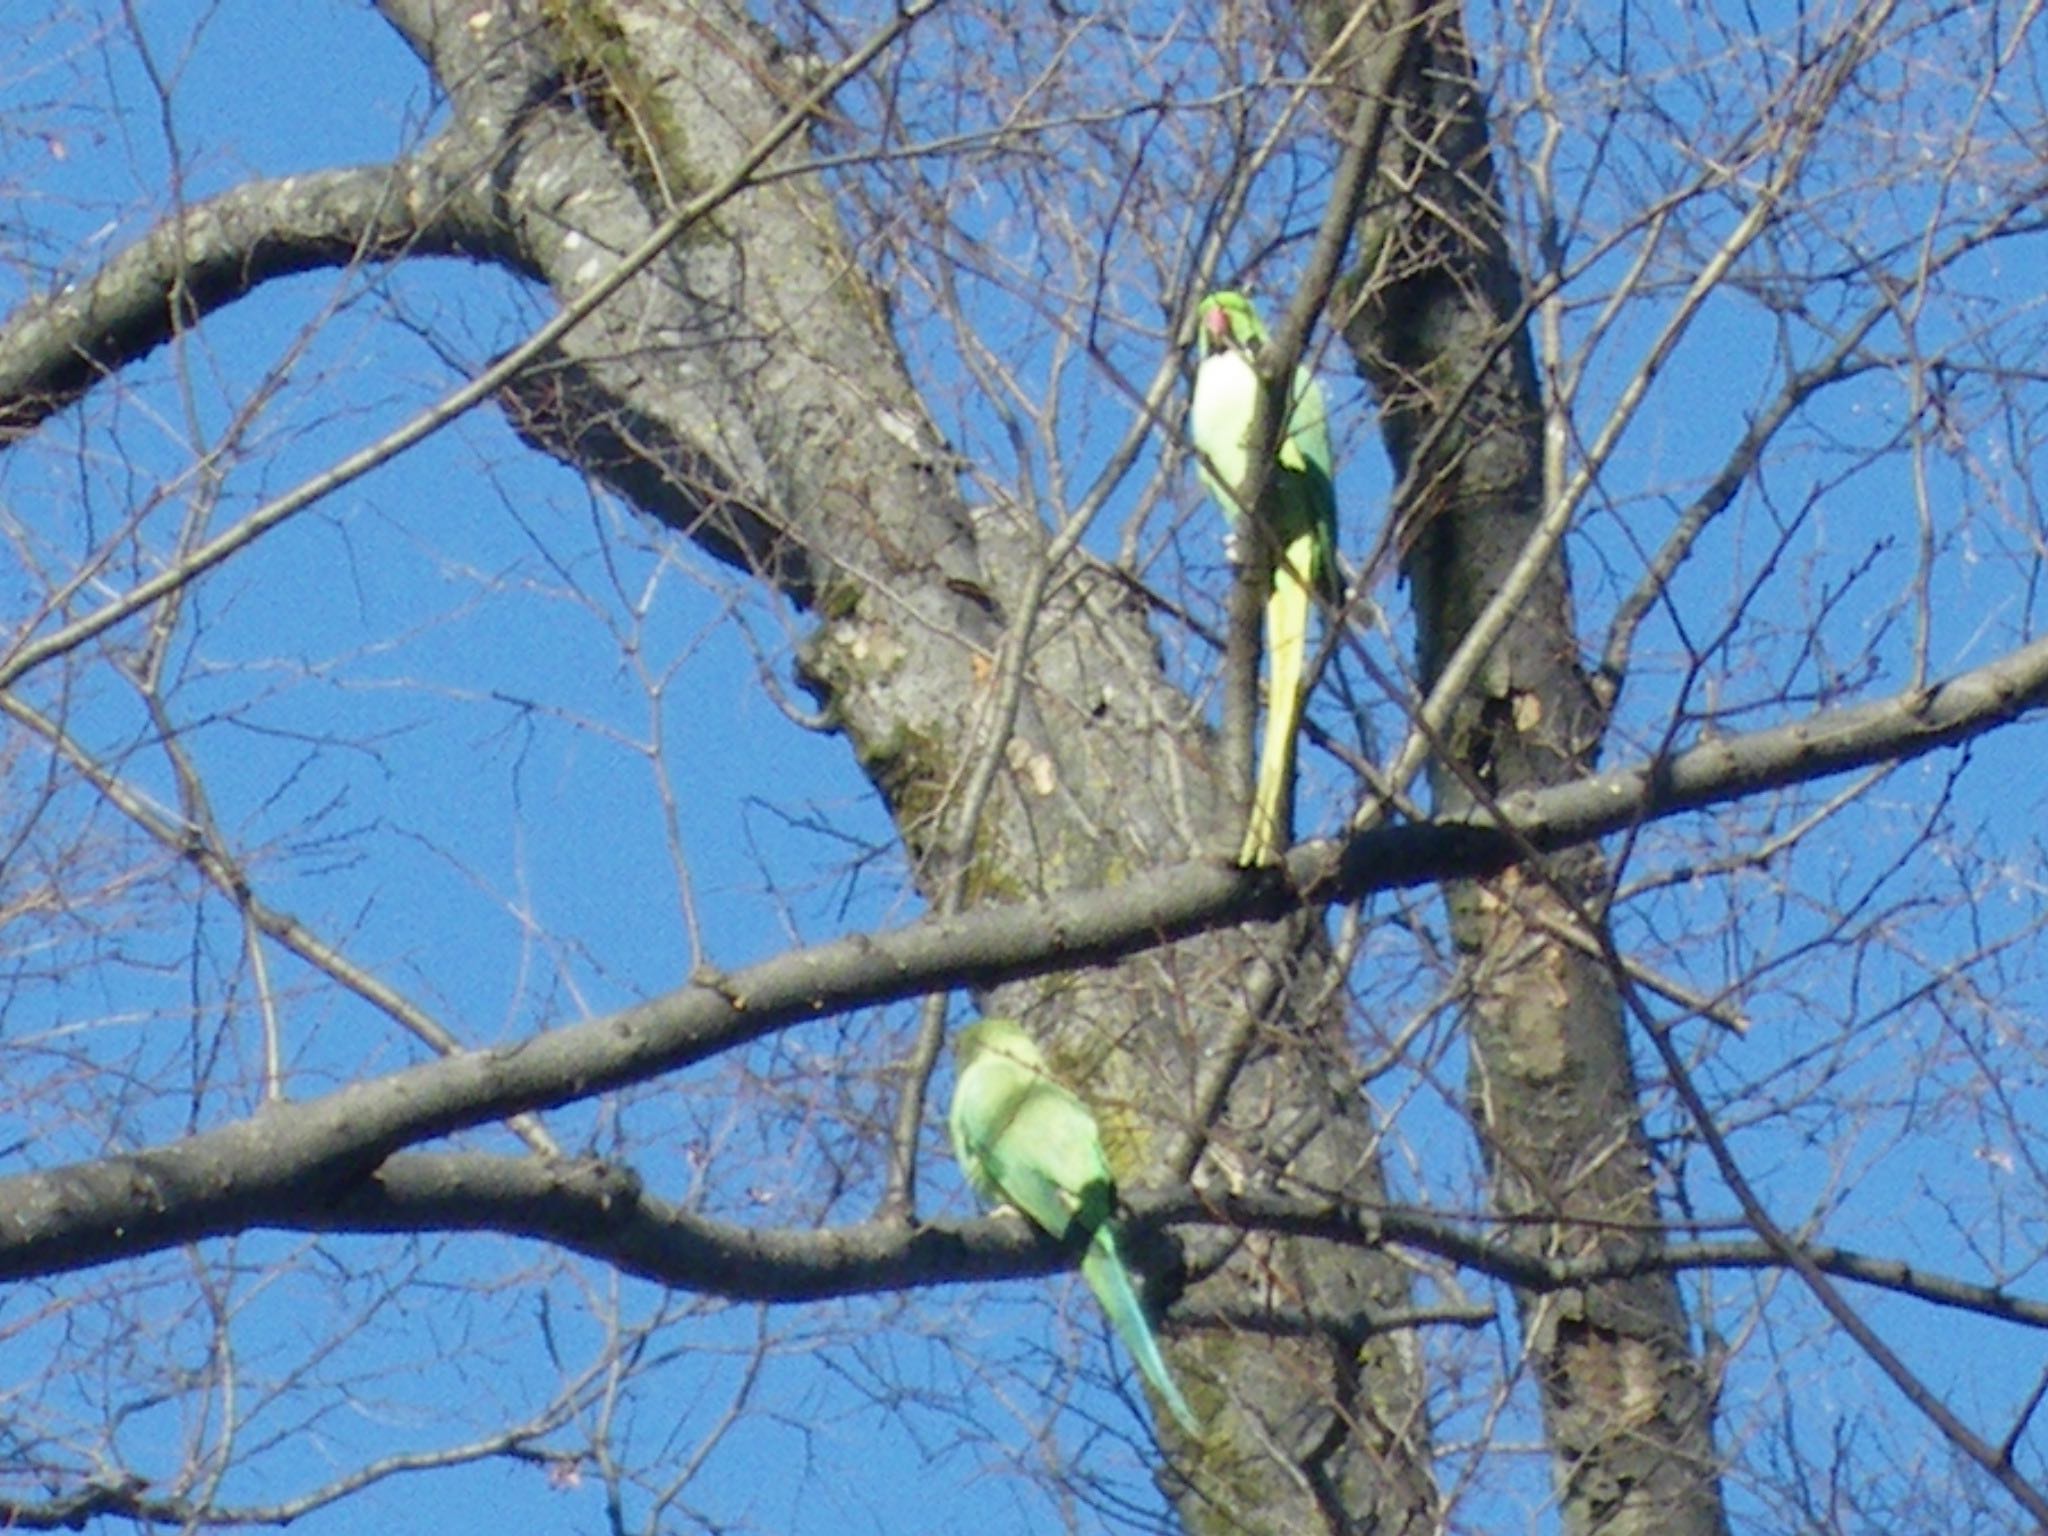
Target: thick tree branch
(289,1160)
(1894,729)
(56,348)
(462,399)
(601,1211)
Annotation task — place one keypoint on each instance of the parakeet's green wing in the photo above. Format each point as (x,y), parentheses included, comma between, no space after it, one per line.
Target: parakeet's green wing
(1021,1136)
(1306,450)
(1023,1161)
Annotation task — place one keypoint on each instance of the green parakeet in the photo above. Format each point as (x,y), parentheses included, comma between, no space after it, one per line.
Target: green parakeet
(1301,541)
(1025,1140)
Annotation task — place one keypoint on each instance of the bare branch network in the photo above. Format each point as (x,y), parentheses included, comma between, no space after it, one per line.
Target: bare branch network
(334,1150)
(828,549)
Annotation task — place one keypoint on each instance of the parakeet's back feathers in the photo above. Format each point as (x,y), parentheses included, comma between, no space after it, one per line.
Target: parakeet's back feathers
(1021,1136)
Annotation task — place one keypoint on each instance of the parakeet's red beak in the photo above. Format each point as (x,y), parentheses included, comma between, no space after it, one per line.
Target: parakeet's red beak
(1218,323)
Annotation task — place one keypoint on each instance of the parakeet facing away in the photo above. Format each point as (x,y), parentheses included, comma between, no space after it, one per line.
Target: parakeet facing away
(1024,1140)
(1300,541)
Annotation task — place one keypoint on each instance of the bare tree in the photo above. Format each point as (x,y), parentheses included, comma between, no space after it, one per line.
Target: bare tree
(431,682)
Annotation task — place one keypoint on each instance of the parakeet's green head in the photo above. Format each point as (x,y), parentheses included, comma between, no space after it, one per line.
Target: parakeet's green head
(1227,318)
(1002,1035)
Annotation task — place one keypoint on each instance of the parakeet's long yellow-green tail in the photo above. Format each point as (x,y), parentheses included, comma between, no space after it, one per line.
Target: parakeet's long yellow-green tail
(1268,832)
(1103,1268)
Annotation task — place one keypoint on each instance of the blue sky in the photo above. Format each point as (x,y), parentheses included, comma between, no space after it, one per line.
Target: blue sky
(460,617)
(465,714)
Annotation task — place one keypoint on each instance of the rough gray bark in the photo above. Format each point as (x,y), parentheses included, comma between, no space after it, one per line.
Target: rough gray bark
(746,390)
(57,348)
(1435,321)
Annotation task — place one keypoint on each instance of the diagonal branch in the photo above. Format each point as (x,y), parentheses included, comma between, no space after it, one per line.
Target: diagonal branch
(602,1212)
(287,1159)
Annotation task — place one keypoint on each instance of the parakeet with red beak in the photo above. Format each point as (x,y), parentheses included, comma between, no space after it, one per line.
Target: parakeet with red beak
(1298,538)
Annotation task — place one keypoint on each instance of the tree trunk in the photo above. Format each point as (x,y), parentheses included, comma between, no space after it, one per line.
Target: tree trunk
(1433,314)
(746,390)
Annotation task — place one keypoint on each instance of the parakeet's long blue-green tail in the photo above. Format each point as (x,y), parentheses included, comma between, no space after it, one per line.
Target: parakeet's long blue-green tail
(1103,1268)
(1266,833)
